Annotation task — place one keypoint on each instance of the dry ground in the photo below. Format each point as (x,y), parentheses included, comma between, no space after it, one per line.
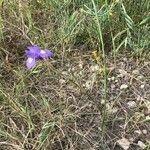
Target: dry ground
(64,100)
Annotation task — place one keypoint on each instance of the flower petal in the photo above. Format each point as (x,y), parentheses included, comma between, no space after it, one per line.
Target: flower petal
(45,53)
(30,62)
(33,51)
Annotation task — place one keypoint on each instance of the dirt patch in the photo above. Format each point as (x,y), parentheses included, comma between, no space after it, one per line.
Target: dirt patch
(70,95)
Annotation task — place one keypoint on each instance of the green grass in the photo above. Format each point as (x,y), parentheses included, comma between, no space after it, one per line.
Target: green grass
(44,108)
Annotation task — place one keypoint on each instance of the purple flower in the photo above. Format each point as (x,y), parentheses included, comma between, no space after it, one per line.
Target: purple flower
(34,53)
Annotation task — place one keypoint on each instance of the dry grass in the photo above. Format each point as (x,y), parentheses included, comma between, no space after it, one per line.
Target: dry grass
(62,103)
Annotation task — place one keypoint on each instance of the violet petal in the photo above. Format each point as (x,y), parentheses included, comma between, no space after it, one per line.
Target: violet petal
(30,62)
(45,53)
(33,51)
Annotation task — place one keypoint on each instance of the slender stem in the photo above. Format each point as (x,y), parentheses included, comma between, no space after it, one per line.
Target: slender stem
(111,33)
(101,43)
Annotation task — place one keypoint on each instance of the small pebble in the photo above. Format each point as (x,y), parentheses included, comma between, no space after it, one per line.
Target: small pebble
(123,72)
(113,86)
(131,104)
(80,65)
(94,68)
(61,81)
(123,86)
(125,59)
(120,75)
(113,78)
(102,101)
(139,98)
(135,72)
(147,118)
(138,132)
(142,86)
(124,143)
(88,84)
(109,79)
(144,131)
(65,73)
(116,81)
(140,77)
(113,110)
(141,144)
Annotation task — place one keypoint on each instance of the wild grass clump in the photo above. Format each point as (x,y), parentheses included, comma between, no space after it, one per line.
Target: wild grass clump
(42,108)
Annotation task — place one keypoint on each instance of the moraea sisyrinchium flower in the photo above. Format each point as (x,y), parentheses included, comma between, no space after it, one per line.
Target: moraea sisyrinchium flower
(34,53)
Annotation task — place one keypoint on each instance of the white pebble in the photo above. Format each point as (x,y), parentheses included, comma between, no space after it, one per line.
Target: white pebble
(131,104)
(141,144)
(123,86)
(140,77)
(144,131)
(124,143)
(138,132)
(94,68)
(61,81)
(142,86)
(116,81)
(113,78)
(135,72)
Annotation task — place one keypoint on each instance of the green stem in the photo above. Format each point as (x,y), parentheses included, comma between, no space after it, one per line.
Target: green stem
(101,43)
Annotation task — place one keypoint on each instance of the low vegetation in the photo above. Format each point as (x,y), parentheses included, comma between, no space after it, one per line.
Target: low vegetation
(93,93)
